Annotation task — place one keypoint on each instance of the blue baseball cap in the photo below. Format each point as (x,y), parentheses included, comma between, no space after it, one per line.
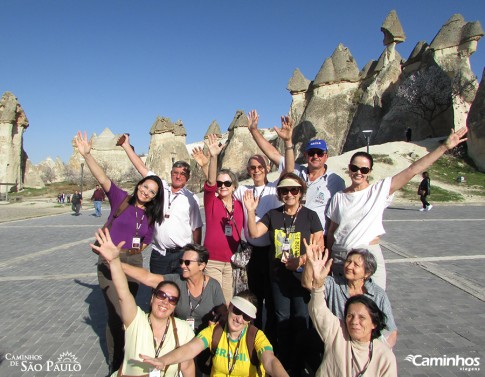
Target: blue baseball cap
(316,144)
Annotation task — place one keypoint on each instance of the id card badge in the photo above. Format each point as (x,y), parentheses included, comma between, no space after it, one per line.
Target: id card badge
(136,243)
(228,230)
(167,213)
(285,251)
(154,373)
(191,322)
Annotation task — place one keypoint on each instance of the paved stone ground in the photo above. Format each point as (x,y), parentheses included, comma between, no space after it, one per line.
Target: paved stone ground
(52,308)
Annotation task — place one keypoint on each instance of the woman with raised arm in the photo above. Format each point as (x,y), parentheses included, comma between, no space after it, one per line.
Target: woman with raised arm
(155,333)
(356,212)
(351,344)
(288,226)
(131,220)
(224,220)
(230,342)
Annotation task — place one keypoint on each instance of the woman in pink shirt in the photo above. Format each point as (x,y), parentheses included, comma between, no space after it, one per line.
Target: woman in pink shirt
(224,220)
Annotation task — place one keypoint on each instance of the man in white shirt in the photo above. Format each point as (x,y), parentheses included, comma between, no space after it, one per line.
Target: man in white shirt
(182,223)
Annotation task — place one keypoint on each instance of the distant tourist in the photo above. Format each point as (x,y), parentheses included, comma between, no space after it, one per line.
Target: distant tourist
(98,198)
(77,202)
(356,212)
(409,133)
(424,190)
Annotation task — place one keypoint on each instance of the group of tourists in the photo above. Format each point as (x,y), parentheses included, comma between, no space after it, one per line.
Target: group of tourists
(288,270)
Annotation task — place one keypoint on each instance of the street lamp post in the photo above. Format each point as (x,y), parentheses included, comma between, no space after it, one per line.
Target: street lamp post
(367,134)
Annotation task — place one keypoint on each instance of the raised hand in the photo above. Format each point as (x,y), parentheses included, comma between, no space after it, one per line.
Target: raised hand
(199,156)
(215,147)
(124,141)
(82,143)
(318,261)
(250,201)
(455,138)
(286,130)
(108,250)
(253,119)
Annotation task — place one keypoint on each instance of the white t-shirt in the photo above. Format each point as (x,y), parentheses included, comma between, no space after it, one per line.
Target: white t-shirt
(184,217)
(359,215)
(268,199)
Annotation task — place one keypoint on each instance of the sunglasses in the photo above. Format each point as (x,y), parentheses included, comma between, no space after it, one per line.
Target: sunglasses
(225,183)
(237,311)
(254,168)
(161,295)
(286,190)
(187,262)
(355,169)
(313,152)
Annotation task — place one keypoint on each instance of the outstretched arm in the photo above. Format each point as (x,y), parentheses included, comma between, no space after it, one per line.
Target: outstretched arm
(111,254)
(317,265)
(285,133)
(400,179)
(186,352)
(134,158)
(269,150)
(256,229)
(272,365)
(215,149)
(84,147)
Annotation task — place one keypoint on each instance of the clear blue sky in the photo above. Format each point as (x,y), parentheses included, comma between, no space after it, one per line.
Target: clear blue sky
(92,64)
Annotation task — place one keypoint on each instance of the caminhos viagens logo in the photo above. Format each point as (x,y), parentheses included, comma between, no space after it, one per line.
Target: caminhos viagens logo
(465,364)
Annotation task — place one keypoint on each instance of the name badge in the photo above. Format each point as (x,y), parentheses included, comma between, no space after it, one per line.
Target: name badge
(228,230)
(167,214)
(191,322)
(154,373)
(136,243)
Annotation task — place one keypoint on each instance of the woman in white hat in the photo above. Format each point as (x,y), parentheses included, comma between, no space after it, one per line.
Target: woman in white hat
(288,226)
(231,355)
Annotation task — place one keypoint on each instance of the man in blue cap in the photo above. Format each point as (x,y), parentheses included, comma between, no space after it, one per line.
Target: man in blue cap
(322,183)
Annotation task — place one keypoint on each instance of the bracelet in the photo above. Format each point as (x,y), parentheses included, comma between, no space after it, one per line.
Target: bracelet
(289,148)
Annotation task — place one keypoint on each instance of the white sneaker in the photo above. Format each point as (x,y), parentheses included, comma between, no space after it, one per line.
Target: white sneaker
(428,208)
(422,209)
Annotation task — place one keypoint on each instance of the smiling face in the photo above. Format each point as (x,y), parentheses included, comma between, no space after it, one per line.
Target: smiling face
(316,159)
(358,177)
(194,268)
(163,308)
(257,170)
(354,268)
(223,190)
(235,322)
(290,196)
(146,191)
(359,322)
(179,177)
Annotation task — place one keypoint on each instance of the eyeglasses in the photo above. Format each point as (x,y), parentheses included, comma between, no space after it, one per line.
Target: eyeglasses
(237,311)
(161,295)
(286,190)
(254,168)
(148,190)
(187,262)
(225,183)
(177,173)
(355,169)
(313,152)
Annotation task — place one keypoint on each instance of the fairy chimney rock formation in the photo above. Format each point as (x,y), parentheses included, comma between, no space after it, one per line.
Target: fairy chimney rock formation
(340,67)
(392,29)
(13,123)
(167,145)
(213,129)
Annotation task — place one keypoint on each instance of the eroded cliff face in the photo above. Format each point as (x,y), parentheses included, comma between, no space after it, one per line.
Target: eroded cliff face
(476,126)
(430,92)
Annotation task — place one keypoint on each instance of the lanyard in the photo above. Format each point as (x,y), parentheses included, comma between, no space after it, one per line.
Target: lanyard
(288,229)
(230,367)
(157,350)
(259,197)
(354,360)
(192,309)
(138,224)
(229,214)
(171,201)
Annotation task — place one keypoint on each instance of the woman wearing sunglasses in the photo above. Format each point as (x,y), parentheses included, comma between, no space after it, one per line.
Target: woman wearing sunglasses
(356,212)
(131,220)
(155,333)
(288,226)
(231,356)
(224,220)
